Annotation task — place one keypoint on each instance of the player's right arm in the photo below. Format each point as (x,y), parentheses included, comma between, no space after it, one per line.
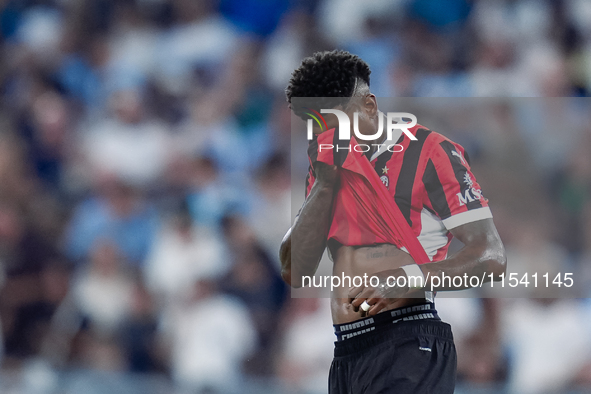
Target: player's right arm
(310,229)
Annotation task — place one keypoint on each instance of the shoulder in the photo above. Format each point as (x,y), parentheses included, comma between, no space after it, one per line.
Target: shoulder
(434,143)
(426,139)
(427,136)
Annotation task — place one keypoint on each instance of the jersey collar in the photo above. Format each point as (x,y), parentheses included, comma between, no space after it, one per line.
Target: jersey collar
(396,133)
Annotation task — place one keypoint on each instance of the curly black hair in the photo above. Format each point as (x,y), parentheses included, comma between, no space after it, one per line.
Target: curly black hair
(328,74)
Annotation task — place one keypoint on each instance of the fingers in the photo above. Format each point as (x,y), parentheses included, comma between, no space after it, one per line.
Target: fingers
(359,295)
(354,292)
(377,306)
(356,298)
(362,296)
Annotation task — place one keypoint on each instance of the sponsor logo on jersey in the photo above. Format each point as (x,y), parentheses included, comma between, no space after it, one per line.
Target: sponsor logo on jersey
(454,153)
(471,193)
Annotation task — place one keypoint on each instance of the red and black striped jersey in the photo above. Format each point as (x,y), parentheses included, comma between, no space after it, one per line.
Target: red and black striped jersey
(428,179)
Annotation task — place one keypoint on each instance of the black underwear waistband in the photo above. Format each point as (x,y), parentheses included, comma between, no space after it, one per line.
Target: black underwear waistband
(369,324)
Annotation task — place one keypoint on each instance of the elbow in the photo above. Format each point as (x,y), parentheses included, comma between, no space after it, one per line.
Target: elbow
(286,269)
(286,275)
(285,258)
(499,261)
(287,278)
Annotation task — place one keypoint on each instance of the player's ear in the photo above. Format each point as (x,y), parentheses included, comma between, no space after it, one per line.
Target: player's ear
(370,105)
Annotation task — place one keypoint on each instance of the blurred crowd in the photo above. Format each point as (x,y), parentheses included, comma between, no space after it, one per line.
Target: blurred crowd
(145,185)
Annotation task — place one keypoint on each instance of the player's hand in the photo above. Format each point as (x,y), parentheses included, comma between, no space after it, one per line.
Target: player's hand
(326,175)
(378,297)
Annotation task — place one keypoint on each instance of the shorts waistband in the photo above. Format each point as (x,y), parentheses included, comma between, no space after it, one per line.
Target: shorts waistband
(367,325)
(394,332)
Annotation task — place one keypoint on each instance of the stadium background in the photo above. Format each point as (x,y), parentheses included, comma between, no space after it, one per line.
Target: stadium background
(145,186)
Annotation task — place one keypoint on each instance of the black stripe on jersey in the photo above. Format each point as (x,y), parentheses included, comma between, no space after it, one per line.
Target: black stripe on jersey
(408,171)
(435,191)
(381,162)
(385,157)
(467,158)
(460,171)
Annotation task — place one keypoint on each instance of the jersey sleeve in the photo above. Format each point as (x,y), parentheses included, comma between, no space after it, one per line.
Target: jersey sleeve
(452,190)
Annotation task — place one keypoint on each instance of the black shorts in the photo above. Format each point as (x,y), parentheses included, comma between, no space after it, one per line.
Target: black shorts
(406,356)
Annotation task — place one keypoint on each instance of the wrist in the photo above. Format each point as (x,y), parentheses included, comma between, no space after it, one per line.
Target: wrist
(415,278)
(393,283)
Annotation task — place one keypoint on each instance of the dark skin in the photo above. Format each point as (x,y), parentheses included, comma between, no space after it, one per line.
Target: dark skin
(483,252)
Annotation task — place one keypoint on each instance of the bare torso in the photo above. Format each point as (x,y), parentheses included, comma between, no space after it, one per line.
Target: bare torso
(365,260)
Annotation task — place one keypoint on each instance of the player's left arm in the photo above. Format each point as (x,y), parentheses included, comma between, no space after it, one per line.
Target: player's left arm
(455,196)
(483,256)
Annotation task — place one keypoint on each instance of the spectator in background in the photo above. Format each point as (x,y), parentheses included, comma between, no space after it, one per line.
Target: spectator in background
(477,335)
(81,72)
(39,29)
(209,336)
(28,299)
(118,212)
(254,279)
(18,184)
(199,38)
(226,116)
(103,289)
(211,197)
(130,146)
(48,129)
(182,253)
(307,347)
(546,339)
(270,213)
(31,320)
(138,336)
(585,260)
(549,343)
(212,131)
(573,193)
(102,293)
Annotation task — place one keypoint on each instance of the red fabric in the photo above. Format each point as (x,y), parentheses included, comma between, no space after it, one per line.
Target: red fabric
(430,174)
(363,206)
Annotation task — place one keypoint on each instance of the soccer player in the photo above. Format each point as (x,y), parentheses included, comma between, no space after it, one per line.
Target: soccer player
(389,340)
